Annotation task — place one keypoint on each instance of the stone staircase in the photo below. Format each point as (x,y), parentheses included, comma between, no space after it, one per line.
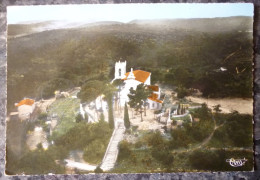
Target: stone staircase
(111,154)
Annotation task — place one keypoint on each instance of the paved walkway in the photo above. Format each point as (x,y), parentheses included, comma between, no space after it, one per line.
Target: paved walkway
(79,165)
(111,154)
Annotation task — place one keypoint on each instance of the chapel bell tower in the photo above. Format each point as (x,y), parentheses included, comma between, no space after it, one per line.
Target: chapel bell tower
(120,70)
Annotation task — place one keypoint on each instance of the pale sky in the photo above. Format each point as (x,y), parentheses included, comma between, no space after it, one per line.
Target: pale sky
(124,12)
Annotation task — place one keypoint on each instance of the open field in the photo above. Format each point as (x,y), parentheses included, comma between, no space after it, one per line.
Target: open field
(242,105)
(64,111)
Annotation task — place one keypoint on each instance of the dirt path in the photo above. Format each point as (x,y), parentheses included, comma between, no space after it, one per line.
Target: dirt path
(210,136)
(227,104)
(35,137)
(44,104)
(204,142)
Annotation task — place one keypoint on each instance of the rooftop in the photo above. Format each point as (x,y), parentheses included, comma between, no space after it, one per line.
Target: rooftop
(25,102)
(140,75)
(154,97)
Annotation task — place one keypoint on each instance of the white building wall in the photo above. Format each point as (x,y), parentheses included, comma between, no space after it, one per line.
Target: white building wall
(120,70)
(81,110)
(101,104)
(158,93)
(154,105)
(24,111)
(148,80)
(126,90)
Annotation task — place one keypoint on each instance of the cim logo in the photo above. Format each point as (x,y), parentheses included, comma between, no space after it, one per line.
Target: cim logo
(236,162)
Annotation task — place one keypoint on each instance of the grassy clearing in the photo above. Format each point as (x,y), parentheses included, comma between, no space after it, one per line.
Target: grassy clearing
(65,109)
(185,118)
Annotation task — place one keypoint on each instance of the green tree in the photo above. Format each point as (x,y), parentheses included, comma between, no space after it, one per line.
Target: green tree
(47,89)
(182,92)
(217,109)
(138,97)
(124,150)
(98,170)
(160,148)
(118,83)
(109,93)
(126,117)
(91,90)
(110,112)
(102,117)
(79,118)
(94,151)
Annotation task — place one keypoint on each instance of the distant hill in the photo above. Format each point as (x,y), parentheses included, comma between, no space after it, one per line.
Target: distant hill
(203,25)
(18,30)
(239,23)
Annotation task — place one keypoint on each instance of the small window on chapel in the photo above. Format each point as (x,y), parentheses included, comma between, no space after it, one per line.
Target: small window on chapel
(119,72)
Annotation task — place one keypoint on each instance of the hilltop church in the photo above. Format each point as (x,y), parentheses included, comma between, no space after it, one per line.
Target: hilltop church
(131,80)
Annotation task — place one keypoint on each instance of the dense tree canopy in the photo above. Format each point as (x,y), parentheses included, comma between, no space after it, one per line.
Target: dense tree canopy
(219,63)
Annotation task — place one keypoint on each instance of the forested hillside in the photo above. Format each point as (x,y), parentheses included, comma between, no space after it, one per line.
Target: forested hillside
(213,55)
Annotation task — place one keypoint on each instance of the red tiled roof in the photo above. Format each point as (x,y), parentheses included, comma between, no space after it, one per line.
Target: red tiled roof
(154,88)
(140,75)
(154,97)
(25,102)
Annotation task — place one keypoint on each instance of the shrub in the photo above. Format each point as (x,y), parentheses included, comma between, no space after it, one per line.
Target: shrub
(134,128)
(181,92)
(102,117)
(139,144)
(206,160)
(39,162)
(157,111)
(124,150)
(163,155)
(94,152)
(43,116)
(98,170)
(155,139)
(79,118)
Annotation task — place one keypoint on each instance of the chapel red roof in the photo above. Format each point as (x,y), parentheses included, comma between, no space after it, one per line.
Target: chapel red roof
(140,75)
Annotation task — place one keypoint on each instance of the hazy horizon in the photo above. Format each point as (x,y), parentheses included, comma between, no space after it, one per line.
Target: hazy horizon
(124,13)
(93,22)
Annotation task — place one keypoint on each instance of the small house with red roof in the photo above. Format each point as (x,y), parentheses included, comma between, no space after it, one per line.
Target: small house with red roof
(25,108)
(153,100)
(131,80)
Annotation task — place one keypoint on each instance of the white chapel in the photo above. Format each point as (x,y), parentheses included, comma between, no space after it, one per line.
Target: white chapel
(133,79)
